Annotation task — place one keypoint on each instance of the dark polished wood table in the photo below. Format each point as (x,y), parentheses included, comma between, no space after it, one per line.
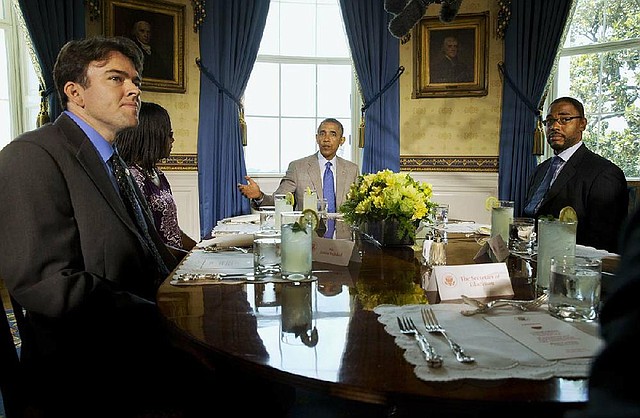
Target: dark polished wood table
(323,335)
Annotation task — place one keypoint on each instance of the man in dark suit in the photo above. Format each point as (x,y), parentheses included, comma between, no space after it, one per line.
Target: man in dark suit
(594,186)
(78,262)
(307,172)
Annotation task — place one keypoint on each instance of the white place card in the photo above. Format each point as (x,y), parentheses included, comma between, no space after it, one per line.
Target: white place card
(551,338)
(332,251)
(474,280)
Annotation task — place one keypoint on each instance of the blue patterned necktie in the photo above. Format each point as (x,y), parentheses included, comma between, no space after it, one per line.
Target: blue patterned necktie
(544,186)
(135,209)
(329,193)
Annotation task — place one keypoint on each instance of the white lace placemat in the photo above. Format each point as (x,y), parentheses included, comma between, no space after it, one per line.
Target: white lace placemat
(498,356)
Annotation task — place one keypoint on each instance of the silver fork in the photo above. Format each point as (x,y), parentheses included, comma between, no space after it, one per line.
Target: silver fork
(408,327)
(431,324)
(525,305)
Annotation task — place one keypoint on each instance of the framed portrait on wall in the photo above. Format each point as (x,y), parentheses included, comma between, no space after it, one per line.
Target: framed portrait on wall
(157,27)
(451,58)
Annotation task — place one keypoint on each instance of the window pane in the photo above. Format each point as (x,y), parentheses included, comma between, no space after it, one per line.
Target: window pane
(5,112)
(334,90)
(270,42)
(299,90)
(298,139)
(297,37)
(262,94)
(262,151)
(331,42)
(597,21)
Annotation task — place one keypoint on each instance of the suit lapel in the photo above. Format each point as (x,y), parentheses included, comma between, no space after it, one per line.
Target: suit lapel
(341,172)
(92,163)
(566,175)
(313,168)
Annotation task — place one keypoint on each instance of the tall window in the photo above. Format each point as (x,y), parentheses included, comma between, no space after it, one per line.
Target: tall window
(600,65)
(19,97)
(302,75)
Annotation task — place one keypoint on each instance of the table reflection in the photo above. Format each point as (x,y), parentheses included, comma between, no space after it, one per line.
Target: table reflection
(323,335)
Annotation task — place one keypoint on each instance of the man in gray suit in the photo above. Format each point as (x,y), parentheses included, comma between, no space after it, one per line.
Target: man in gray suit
(308,171)
(594,186)
(74,257)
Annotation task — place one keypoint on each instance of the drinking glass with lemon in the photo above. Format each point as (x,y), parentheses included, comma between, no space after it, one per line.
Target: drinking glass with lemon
(556,238)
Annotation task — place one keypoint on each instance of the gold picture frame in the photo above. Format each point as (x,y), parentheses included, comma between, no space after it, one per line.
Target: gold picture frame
(451,58)
(164,53)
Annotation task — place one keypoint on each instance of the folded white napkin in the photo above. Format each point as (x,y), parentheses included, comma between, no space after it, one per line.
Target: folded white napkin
(252,218)
(584,251)
(228,240)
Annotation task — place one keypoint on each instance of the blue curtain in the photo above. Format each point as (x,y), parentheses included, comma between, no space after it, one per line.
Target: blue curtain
(51,24)
(229,41)
(532,41)
(376,57)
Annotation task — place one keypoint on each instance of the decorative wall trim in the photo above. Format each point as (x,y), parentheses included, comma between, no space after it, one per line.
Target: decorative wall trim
(180,162)
(445,163)
(189,162)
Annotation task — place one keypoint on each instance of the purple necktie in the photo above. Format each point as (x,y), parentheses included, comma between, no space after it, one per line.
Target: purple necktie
(329,193)
(135,209)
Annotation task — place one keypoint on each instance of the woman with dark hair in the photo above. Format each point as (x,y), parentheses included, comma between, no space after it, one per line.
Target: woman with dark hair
(142,148)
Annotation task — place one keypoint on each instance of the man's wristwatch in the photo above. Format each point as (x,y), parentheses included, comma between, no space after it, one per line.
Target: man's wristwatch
(259,200)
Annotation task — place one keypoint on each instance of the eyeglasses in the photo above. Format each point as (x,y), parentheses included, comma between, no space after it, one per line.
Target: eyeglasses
(562,121)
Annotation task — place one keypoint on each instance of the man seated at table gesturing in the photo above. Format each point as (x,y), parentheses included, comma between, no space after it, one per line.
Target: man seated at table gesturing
(312,172)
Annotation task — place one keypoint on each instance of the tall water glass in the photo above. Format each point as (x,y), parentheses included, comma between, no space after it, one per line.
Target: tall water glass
(295,248)
(280,202)
(555,239)
(501,218)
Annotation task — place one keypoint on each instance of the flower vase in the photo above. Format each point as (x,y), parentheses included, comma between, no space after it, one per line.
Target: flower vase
(386,232)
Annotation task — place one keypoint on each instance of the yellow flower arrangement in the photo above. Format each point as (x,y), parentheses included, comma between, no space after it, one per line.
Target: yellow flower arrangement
(388,195)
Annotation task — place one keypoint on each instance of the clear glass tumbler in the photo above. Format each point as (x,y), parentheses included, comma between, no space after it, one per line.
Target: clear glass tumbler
(266,252)
(522,236)
(574,288)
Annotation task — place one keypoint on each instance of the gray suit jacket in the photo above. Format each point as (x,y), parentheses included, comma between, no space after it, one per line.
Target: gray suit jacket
(70,255)
(305,172)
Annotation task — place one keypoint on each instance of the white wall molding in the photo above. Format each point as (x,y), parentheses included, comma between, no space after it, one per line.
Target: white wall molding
(184,186)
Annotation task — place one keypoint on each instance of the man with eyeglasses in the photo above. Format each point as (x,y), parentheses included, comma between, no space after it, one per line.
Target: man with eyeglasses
(576,176)
(311,171)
